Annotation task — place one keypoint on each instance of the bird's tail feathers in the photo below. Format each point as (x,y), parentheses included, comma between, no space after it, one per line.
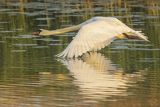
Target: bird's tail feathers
(136,34)
(141,35)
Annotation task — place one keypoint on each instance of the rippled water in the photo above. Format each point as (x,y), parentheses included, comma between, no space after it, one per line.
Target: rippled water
(124,74)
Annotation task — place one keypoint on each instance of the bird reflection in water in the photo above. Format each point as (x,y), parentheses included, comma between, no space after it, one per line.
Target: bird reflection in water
(98,78)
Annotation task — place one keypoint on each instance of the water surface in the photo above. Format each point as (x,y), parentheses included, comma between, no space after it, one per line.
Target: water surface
(124,74)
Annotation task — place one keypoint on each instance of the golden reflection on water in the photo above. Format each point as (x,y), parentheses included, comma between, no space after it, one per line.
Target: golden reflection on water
(90,79)
(98,78)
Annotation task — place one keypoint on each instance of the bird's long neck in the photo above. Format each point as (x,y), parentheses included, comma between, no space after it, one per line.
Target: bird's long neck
(60,31)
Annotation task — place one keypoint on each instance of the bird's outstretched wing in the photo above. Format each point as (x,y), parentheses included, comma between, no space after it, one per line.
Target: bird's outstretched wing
(95,35)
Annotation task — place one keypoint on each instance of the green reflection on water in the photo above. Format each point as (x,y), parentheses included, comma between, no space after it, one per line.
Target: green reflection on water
(28,62)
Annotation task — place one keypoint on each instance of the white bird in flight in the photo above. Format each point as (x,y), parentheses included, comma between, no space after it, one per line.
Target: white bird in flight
(94,34)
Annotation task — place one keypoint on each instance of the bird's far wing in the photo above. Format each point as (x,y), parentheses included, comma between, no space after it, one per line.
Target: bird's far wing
(91,37)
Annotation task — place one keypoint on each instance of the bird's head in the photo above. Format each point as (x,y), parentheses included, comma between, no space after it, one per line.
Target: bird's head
(43,32)
(37,32)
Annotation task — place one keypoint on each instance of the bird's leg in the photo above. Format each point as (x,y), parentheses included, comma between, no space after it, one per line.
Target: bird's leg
(131,35)
(128,35)
(121,36)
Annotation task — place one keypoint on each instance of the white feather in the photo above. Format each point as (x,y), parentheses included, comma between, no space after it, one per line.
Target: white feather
(96,33)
